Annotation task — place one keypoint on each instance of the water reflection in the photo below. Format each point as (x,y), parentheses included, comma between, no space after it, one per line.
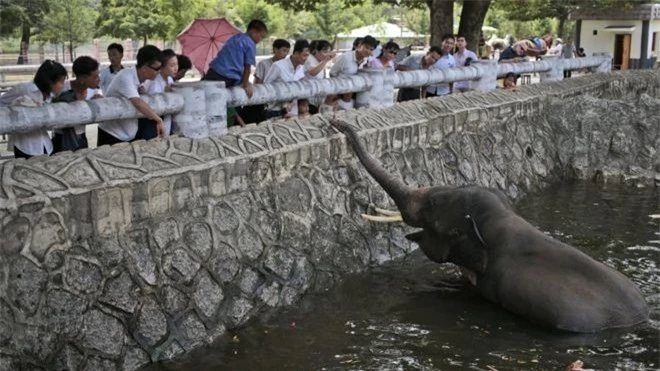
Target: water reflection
(397,318)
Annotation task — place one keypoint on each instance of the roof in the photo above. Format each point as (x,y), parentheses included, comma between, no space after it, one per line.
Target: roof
(643,12)
(382,30)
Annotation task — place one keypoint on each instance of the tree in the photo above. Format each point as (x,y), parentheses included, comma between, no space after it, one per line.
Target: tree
(25,16)
(472,19)
(69,21)
(134,19)
(528,10)
(441,13)
(183,12)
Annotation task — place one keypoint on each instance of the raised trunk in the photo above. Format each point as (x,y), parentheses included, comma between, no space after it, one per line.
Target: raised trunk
(25,44)
(472,19)
(404,197)
(442,19)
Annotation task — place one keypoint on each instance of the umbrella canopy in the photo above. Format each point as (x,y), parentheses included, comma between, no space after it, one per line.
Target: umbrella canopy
(203,38)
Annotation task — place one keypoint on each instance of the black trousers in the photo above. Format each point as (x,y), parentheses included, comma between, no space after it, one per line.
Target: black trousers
(105,138)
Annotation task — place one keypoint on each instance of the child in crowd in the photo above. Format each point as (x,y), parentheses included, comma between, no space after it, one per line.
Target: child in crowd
(48,82)
(346,102)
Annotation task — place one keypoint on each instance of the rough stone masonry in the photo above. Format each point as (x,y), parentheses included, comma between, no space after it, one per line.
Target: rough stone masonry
(119,256)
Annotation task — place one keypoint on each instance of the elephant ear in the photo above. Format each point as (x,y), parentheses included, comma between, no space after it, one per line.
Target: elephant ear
(434,247)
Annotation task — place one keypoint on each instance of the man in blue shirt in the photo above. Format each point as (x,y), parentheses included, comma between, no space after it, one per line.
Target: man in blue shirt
(234,61)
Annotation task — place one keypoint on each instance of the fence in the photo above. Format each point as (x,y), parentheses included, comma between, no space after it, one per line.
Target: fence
(200,108)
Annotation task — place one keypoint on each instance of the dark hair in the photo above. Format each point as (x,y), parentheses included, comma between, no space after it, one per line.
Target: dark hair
(369,40)
(281,43)
(461,35)
(84,66)
(319,45)
(48,74)
(300,45)
(117,47)
(184,62)
(257,25)
(447,36)
(390,45)
(357,42)
(511,74)
(436,49)
(167,54)
(148,54)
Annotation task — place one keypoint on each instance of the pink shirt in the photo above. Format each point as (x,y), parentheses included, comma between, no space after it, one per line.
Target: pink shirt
(377,63)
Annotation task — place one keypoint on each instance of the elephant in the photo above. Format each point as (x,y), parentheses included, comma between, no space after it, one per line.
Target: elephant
(505,258)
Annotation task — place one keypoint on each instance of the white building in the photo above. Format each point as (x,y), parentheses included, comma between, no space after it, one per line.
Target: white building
(382,31)
(629,35)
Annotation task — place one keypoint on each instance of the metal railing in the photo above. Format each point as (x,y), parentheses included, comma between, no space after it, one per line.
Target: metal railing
(376,86)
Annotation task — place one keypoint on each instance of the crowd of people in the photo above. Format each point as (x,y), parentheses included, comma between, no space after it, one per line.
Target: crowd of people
(154,73)
(156,70)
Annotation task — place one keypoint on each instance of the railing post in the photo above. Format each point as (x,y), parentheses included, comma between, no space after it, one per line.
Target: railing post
(556,72)
(191,121)
(381,93)
(488,72)
(215,95)
(606,65)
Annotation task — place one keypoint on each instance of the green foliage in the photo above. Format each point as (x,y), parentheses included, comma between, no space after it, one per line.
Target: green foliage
(16,13)
(183,12)
(136,19)
(68,21)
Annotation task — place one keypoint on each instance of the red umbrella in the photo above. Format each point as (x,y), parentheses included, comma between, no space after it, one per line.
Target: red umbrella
(203,38)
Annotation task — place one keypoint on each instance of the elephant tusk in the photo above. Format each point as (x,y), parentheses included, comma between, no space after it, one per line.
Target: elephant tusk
(388,212)
(652,216)
(382,219)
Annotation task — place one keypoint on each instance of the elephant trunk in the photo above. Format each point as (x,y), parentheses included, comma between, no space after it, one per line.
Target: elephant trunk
(407,199)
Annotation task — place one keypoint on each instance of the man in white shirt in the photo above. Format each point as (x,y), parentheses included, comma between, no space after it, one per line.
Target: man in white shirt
(463,57)
(125,85)
(115,55)
(281,49)
(348,63)
(445,61)
(287,70)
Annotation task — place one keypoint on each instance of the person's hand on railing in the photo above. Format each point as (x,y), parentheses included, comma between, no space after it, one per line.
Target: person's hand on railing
(248,89)
(160,128)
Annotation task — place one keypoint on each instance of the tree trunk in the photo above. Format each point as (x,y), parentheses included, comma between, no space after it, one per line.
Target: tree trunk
(472,19)
(562,25)
(25,44)
(442,19)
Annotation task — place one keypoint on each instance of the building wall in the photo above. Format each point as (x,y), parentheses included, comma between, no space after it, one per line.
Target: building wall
(114,257)
(604,40)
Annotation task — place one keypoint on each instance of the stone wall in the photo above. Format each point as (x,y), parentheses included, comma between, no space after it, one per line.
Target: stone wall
(119,256)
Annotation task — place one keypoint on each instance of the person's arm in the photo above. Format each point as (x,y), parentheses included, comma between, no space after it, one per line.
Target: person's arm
(245,80)
(149,113)
(318,68)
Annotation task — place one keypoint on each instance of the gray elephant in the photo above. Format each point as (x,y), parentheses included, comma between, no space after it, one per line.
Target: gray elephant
(508,260)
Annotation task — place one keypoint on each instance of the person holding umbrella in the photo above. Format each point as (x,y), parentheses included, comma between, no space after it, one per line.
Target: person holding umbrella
(233,63)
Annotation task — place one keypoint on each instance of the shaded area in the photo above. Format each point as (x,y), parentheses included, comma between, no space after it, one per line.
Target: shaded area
(396,317)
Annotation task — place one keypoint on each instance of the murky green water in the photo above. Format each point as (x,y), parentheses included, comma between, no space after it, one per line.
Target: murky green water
(396,317)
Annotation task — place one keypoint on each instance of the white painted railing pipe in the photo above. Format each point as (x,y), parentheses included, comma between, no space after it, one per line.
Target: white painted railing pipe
(59,115)
(200,108)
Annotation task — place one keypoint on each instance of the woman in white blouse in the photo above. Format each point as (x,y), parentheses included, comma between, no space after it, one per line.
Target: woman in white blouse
(48,82)
(315,65)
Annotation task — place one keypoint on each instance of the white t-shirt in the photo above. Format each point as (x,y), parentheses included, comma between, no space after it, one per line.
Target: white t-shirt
(346,65)
(263,67)
(157,86)
(34,142)
(283,71)
(124,85)
(447,61)
(106,77)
